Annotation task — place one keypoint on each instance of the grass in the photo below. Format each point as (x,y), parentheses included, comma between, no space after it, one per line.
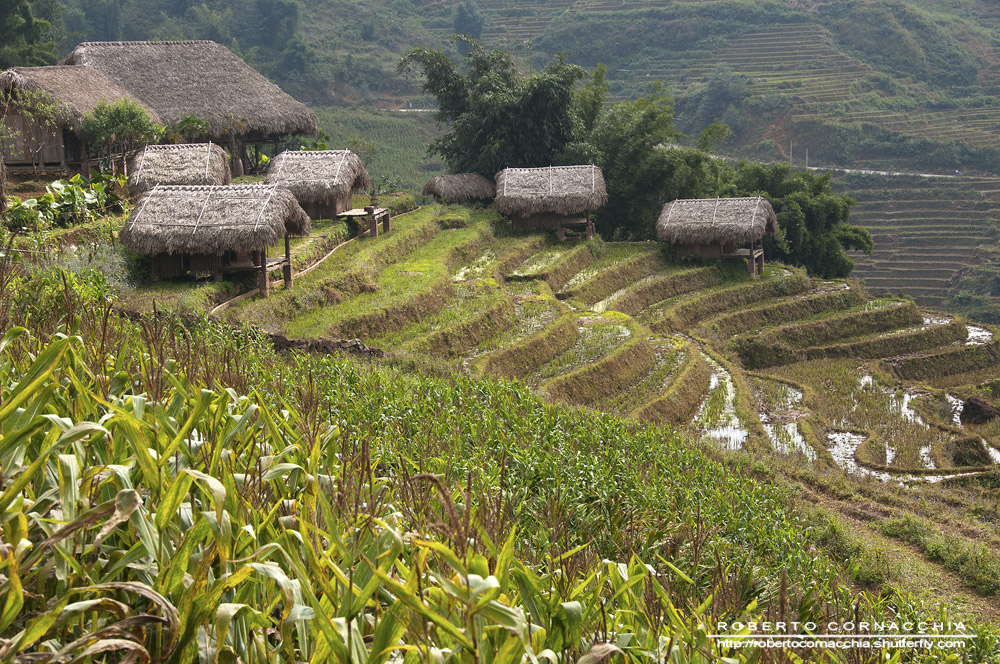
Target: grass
(416,287)
(400,141)
(320,428)
(616,266)
(352,269)
(669,356)
(611,352)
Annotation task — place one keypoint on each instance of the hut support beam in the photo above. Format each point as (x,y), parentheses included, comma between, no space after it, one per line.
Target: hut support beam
(263,280)
(286,269)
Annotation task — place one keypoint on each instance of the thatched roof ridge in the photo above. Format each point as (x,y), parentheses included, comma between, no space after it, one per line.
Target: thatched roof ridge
(460,188)
(77,90)
(555,189)
(210,220)
(318,176)
(191,164)
(202,78)
(713,220)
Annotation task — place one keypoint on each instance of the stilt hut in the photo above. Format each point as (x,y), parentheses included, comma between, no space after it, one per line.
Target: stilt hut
(460,188)
(551,198)
(719,228)
(322,180)
(189,164)
(212,230)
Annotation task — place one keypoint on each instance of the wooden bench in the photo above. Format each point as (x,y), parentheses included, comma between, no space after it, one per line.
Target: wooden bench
(368,220)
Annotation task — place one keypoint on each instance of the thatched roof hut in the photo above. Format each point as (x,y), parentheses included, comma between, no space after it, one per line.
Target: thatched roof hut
(190,164)
(212,220)
(706,221)
(202,78)
(322,180)
(460,188)
(76,90)
(561,190)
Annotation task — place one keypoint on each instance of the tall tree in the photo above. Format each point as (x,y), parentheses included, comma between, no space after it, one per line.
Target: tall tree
(25,39)
(496,117)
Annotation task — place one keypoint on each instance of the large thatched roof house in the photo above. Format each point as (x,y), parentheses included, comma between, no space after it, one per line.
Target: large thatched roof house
(200,229)
(552,197)
(718,228)
(76,91)
(173,79)
(191,164)
(322,180)
(460,188)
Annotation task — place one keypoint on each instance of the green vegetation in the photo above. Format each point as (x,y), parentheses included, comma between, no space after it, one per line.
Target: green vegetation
(66,203)
(343,506)
(117,128)
(25,36)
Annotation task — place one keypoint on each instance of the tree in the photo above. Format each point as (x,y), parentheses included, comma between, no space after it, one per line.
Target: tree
(496,117)
(37,114)
(642,169)
(118,128)
(468,20)
(25,39)
(812,221)
(712,135)
(189,129)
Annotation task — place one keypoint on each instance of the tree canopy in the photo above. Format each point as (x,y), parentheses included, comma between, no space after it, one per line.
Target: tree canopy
(812,220)
(25,39)
(496,117)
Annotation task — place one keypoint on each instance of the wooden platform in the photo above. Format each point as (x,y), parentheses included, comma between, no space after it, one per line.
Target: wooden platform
(368,221)
(755,260)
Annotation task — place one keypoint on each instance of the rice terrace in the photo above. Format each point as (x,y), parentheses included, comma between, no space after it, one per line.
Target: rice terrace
(413,333)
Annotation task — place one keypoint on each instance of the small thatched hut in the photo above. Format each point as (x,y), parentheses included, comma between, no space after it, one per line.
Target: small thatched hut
(719,228)
(552,197)
(190,164)
(76,91)
(214,229)
(460,188)
(322,180)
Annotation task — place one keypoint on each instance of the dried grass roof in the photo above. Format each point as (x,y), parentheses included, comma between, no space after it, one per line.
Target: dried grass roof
(460,188)
(318,176)
(191,164)
(713,220)
(202,78)
(77,90)
(211,220)
(555,189)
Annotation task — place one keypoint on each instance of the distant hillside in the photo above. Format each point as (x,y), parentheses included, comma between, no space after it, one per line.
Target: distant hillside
(786,76)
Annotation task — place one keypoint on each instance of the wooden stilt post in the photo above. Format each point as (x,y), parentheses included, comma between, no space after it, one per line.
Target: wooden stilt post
(286,269)
(263,281)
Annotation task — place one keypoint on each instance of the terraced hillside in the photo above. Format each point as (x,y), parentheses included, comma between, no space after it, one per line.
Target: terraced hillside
(858,397)
(805,74)
(929,233)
